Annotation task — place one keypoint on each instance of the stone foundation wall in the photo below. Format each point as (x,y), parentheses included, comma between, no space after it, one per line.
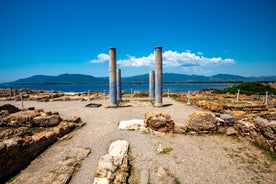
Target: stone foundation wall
(261,132)
(257,130)
(27,134)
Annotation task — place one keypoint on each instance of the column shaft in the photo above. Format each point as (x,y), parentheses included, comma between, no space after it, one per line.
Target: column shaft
(119,93)
(112,77)
(151,85)
(158,77)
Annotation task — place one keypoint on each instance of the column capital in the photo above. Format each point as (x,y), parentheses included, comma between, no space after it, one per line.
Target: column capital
(158,47)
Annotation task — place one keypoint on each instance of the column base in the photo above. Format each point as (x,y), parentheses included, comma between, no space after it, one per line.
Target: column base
(113,105)
(158,105)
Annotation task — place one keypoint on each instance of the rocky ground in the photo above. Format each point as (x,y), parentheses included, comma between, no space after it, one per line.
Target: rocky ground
(203,158)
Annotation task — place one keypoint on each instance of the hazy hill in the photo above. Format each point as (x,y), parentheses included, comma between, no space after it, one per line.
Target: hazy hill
(167,77)
(60,79)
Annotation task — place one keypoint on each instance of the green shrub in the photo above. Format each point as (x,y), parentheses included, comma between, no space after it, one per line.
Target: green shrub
(249,88)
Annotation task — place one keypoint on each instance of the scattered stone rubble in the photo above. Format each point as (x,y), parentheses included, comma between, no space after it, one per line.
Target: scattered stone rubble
(250,117)
(46,96)
(157,121)
(114,167)
(259,131)
(220,103)
(255,128)
(26,134)
(153,122)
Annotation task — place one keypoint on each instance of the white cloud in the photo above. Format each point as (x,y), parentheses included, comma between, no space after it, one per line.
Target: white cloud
(175,59)
(170,59)
(199,53)
(137,62)
(101,58)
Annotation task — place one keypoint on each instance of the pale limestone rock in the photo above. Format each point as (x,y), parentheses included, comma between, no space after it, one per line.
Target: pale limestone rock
(161,172)
(118,148)
(164,176)
(133,124)
(105,164)
(113,167)
(101,181)
(160,148)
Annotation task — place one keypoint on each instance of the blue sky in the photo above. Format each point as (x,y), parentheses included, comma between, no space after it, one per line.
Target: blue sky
(52,37)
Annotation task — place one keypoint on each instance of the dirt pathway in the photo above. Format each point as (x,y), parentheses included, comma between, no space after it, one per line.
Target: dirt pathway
(193,159)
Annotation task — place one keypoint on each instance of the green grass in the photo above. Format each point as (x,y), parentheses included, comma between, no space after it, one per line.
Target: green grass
(87,148)
(234,137)
(67,158)
(167,150)
(270,154)
(71,164)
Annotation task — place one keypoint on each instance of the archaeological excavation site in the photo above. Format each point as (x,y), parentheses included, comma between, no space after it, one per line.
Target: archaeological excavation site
(143,137)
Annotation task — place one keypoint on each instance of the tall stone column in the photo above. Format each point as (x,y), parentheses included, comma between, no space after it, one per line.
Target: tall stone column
(112,77)
(119,93)
(151,85)
(158,76)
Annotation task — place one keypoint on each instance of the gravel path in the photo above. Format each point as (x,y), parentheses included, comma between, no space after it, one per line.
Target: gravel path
(194,159)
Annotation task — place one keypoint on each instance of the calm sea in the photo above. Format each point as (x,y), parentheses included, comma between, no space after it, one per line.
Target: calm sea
(125,87)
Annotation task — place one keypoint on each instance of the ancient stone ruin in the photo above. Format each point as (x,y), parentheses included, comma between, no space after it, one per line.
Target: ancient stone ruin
(114,167)
(157,121)
(28,133)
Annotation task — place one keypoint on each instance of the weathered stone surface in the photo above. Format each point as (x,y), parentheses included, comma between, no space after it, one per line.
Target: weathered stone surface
(114,166)
(10,108)
(180,129)
(228,119)
(48,121)
(244,127)
(105,166)
(260,131)
(203,122)
(74,119)
(266,128)
(160,148)
(133,124)
(4,113)
(272,125)
(165,177)
(64,170)
(240,114)
(19,146)
(157,121)
(101,181)
(230,131)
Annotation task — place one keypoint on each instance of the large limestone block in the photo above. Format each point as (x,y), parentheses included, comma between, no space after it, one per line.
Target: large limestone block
(118,148)
(133,124)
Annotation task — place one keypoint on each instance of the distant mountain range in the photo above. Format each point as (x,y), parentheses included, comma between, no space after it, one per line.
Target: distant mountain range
(167,78)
